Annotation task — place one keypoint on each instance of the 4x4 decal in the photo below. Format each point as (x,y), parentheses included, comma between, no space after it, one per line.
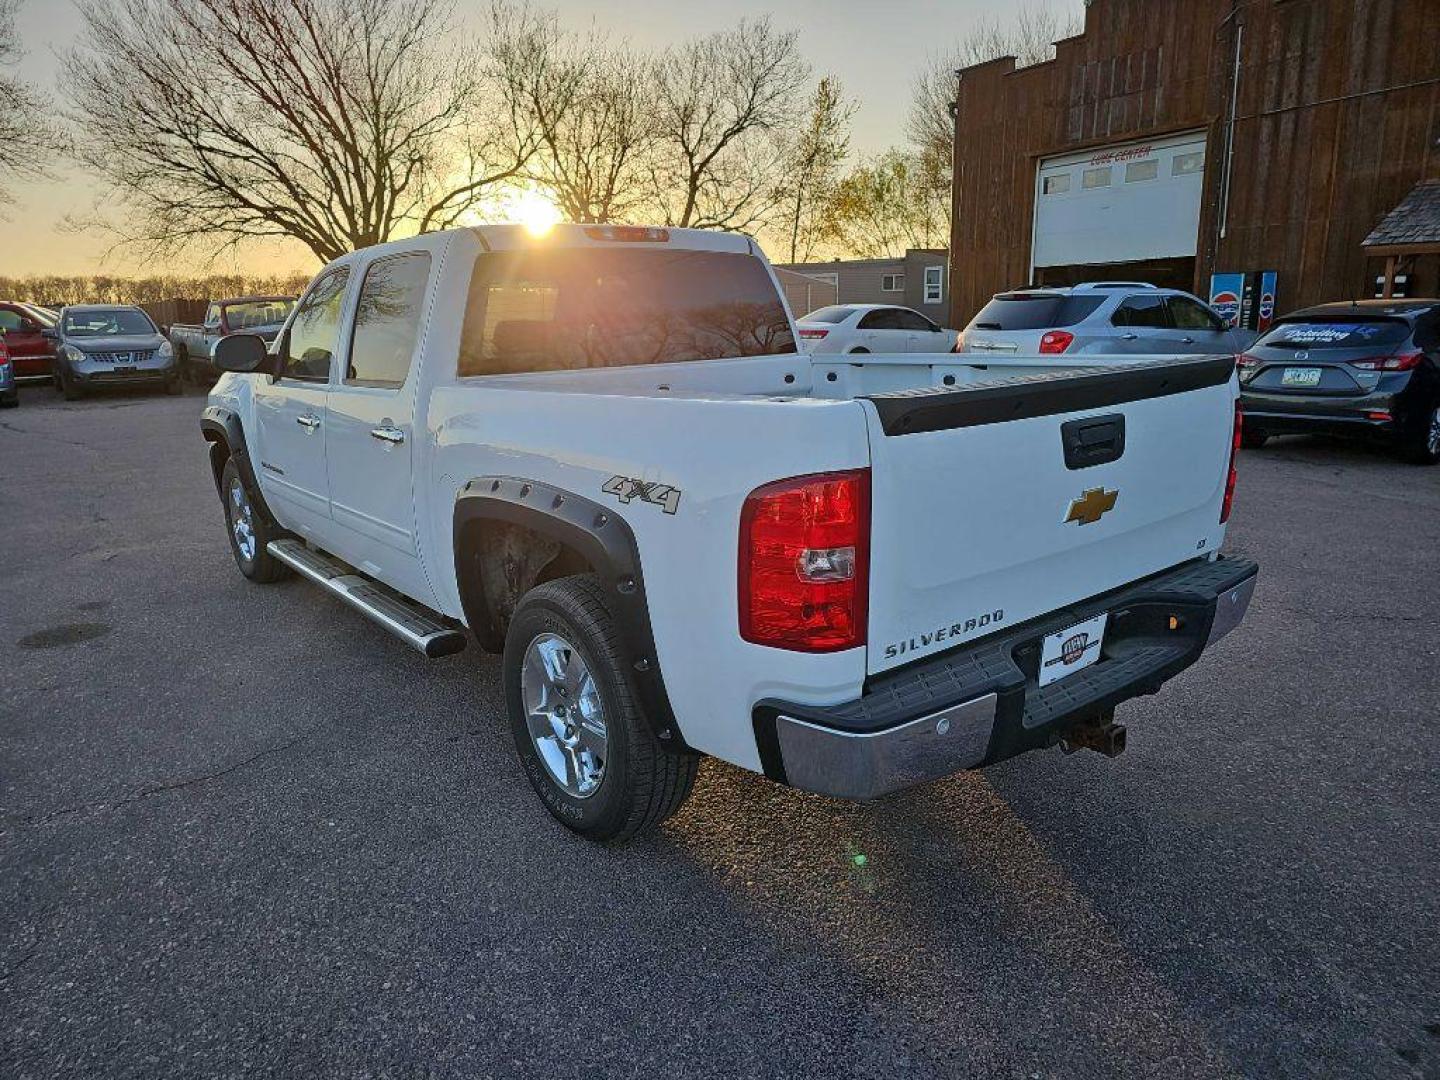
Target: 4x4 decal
(626,488)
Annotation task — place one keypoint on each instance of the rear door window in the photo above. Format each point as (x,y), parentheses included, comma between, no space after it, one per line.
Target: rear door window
(387,320)
(881,319)
(1034,311)
(913,320)
(1336,334)
(571,308)
(1189,314)
(1147,312)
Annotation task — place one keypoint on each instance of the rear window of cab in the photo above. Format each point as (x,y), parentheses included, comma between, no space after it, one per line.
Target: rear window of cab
(1335,334)
(1034,311)
(574,308)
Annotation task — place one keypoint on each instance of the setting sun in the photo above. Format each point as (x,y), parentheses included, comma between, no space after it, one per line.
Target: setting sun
(534,211)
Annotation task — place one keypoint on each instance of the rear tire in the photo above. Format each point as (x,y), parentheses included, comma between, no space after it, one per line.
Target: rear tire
(580,733)
(1253,440)
(70,388)
(1423,447)
(248,530)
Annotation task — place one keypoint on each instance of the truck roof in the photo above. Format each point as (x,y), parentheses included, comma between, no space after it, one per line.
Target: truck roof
(252,299)
(511,237)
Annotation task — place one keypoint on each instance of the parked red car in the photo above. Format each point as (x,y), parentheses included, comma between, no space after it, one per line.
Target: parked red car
(31,355)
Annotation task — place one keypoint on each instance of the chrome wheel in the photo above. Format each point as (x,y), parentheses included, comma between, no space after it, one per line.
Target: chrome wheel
(1432,440)
(242,520)
(563,714)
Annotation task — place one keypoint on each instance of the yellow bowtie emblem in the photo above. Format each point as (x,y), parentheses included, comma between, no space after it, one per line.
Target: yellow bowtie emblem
(1092,506)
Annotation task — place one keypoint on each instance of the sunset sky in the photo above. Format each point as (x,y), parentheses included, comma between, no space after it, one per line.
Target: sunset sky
(875,48)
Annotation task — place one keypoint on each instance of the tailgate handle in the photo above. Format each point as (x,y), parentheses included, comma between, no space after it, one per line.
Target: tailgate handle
(1096,440)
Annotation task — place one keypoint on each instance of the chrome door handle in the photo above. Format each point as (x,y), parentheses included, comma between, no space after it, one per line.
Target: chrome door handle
(1129,337)
(392,435)
(1187,341)
(309,421)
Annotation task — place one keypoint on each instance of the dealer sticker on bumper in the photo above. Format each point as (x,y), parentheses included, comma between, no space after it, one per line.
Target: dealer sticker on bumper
(1067,651)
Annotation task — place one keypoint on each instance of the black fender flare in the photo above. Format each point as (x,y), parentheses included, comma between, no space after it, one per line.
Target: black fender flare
(222,426)
(606,542)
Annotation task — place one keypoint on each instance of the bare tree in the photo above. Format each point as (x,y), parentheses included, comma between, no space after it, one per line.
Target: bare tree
(338,123)
(1030,38)
(717,101)
(812,169)
(27,136)
(590,104)
(880,209)
(60,289)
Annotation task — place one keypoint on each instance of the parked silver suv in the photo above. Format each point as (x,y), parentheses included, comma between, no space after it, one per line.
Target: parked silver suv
(1112,317)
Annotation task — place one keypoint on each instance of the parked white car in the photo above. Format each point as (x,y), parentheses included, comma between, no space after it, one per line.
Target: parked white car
(871,328)
(1115,318)
(599,454)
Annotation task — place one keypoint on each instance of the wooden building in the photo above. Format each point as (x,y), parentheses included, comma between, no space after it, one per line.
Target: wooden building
(1176,139)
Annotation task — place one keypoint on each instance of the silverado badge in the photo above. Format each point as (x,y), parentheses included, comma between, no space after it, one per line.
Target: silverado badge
(1092,506)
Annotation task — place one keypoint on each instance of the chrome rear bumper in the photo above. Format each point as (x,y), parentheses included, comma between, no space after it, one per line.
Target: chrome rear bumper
(982,703)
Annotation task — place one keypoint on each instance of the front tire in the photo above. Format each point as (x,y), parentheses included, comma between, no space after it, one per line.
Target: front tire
(248,530)
(70,388)
(580,733)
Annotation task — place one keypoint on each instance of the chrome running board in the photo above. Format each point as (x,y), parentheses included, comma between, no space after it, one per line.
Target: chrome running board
(418,627)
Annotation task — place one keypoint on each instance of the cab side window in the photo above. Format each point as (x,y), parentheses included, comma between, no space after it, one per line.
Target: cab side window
(10,320)
(1186,314)
(212,315)
(311,341)
(387,321)
(1146,312)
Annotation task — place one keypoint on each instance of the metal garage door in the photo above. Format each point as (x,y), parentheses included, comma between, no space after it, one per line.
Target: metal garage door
(1124,203)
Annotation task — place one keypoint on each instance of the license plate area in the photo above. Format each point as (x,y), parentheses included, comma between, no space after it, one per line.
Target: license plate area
(1072,649)
(1300,376)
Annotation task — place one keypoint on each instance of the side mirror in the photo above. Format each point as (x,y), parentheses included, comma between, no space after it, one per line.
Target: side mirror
(50,334)
(243,353)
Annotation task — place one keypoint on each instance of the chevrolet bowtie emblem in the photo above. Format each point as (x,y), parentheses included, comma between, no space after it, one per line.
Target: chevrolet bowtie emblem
(1092,506)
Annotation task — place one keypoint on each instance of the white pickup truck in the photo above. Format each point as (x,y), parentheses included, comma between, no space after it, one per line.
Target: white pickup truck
(598,453)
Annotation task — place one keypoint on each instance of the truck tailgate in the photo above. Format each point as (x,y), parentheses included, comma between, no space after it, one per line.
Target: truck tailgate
(999,502)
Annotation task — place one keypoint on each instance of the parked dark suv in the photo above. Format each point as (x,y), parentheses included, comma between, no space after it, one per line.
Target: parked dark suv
(1368,368)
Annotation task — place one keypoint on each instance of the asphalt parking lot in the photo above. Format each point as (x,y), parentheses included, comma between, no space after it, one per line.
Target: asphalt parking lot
(243,832)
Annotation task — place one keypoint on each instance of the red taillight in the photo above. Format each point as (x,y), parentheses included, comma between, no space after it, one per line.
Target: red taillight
(804,562)
(1055,341)
(1231,476)
(1401,362)
(1245,361)
(813,334)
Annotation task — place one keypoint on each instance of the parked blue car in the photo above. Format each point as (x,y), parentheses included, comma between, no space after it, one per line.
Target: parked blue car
(110,345)
(9,395)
